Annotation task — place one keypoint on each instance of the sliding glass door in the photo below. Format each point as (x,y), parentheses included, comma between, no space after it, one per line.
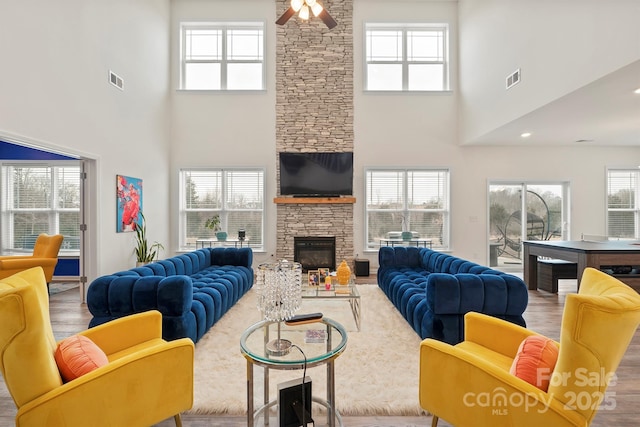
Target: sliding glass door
(524,211)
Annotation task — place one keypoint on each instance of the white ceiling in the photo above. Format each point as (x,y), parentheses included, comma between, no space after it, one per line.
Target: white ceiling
(604,112)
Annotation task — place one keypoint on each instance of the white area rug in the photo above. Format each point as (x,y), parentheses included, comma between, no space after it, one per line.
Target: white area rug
(376,375)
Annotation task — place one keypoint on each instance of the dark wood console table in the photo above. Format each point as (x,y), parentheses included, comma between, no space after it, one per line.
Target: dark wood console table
(585,254)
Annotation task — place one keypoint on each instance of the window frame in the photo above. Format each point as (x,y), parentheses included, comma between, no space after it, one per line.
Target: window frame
(257,245)
(405,211)
(405,28)
(225,27)
(53,210)
(635,209)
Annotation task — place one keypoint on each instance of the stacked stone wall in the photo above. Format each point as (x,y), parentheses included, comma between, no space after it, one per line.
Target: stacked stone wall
(314,112)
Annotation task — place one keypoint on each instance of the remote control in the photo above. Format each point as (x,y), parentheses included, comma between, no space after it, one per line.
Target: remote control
(300,319)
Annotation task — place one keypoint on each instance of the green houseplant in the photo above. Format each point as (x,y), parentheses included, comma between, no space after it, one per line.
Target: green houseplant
(145,252)
(213,223)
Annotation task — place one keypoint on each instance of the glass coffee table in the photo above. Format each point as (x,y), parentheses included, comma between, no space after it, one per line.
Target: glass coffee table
(337,292)
(253,345)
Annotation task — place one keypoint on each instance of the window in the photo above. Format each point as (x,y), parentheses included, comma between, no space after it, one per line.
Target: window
(223,56)
(623,213)
(236,195)
(406,57)
(520,211)
(415,200)
(40,198)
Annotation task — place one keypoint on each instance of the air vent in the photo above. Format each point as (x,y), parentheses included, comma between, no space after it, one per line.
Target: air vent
(513,78)
(116,80)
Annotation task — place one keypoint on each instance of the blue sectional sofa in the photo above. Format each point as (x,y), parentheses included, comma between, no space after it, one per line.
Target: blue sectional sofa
(192,291)
(434,290)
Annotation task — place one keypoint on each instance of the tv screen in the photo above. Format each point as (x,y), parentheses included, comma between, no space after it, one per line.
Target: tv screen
(316,174)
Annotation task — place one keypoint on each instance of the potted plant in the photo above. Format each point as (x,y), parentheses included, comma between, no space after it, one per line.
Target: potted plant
(213,223)
(145,253)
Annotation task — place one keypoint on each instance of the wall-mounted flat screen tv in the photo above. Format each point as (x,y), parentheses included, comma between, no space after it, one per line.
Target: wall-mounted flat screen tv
(316,174)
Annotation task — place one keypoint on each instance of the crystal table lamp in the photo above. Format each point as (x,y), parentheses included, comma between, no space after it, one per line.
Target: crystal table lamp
(279,291)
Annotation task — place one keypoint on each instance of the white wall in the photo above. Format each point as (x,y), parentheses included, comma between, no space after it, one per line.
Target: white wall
(414,130)
(212,129)
(54,90)
(559,46)
(421,130)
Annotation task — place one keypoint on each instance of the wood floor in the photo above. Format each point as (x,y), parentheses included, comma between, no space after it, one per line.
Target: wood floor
(543,315)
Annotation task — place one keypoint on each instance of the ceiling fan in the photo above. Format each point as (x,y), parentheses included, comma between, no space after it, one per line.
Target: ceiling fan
(303,6)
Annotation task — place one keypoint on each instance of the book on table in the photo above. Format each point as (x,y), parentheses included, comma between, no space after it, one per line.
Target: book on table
(315,336)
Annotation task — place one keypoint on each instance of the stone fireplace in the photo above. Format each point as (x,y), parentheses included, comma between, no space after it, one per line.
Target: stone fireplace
(314,112)
(315,252)
(309,220)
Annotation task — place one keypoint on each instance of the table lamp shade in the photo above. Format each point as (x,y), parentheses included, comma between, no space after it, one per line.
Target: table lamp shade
(279,289)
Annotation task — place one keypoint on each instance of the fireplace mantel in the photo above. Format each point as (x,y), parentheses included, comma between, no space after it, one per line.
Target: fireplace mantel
(314,200)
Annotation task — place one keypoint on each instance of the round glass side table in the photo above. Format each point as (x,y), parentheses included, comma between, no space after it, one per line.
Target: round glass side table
(253,345)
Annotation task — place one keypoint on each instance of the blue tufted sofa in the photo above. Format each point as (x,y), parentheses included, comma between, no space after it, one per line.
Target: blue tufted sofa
(192,290)
(434,290)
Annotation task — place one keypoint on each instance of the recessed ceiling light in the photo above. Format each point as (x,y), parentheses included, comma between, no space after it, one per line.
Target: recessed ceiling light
(637,91)
(525,135)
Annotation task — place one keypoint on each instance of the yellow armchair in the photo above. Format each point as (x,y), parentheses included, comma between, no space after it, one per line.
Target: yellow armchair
(146,380)
(470,385)
(45,255)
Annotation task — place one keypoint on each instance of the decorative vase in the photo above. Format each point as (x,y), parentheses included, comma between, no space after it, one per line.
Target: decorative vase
(343,273)
(407,235)
(221,236)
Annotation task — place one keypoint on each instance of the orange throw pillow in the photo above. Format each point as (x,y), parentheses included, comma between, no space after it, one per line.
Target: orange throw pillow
(534,363)
(78,355)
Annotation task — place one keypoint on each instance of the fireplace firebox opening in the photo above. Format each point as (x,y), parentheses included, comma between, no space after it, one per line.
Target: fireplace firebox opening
(315,252)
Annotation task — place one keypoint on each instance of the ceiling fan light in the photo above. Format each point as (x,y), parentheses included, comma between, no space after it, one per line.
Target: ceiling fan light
(304,12)
(316,9)
(296,4)
(310,3)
